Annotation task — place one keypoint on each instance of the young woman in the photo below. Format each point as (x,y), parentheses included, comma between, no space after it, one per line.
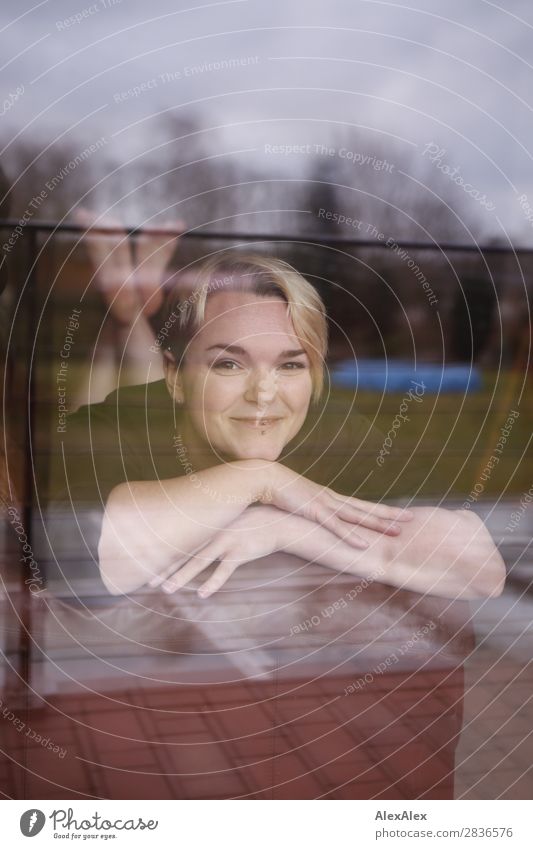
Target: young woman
(244,354)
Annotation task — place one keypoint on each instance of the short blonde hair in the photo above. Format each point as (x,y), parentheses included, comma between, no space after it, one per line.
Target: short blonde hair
(259,275)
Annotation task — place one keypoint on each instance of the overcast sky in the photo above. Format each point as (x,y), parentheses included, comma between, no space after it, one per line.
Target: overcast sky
(457,75)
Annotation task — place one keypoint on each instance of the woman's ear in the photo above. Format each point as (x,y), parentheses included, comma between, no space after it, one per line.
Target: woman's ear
(173,377)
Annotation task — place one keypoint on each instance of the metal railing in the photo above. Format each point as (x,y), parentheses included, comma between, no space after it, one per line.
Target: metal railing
(307,238)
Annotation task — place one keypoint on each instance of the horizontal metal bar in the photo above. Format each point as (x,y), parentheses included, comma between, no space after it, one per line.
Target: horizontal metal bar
(302,238)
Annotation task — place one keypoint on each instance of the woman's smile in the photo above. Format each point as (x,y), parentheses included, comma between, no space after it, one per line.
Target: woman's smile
(257,423)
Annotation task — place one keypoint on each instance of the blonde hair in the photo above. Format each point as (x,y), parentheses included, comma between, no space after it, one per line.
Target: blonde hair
(258,275)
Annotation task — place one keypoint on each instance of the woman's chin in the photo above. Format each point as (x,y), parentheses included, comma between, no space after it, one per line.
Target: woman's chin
(256,452)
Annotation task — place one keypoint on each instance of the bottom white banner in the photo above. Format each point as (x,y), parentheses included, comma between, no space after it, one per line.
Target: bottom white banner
(267,824)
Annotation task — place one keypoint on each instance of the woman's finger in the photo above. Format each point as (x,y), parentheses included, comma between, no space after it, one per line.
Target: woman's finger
(166,573)
(158,580)
(382,511)
(224,570)
(195,564)
(330,520)
(350,513)
(155,582)
(179,562)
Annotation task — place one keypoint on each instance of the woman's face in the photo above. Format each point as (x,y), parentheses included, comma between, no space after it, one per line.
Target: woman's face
(246,380)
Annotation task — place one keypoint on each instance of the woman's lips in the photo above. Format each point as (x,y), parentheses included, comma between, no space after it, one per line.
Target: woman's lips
(257,423)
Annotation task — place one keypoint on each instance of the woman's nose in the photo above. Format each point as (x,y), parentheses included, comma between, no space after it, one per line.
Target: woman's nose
(262,388)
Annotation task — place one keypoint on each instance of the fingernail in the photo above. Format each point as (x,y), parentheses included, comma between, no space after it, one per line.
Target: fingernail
(394,528)
(406,514)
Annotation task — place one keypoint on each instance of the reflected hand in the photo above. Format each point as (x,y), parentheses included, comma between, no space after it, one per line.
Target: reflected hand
(152,254)
(127,289)
(110,257)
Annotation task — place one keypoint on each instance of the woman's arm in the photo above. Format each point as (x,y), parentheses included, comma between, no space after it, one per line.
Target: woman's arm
(150,525)
(447,553)
(442,552)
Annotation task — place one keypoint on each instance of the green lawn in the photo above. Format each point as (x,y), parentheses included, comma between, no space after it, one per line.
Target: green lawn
(465,431)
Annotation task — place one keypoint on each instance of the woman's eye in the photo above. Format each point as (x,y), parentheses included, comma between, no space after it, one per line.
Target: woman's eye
(226,365)
(293,366)
(232,366)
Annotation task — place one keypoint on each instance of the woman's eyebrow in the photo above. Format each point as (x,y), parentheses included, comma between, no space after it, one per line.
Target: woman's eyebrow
(236,349)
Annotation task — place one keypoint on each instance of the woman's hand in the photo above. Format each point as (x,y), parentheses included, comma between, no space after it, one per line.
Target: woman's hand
(257,532)
(294,493)
(445,553)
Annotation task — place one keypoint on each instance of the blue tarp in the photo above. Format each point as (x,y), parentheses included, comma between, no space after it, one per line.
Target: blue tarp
(398,376)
